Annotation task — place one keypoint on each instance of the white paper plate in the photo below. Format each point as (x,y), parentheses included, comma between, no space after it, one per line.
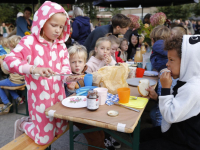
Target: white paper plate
(135,81)
(150,73)
(75,102)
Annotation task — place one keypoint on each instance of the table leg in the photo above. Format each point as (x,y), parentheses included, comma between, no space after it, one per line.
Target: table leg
(71,134)
(136,137)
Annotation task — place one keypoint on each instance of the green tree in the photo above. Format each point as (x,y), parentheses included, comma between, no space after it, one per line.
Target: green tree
(114,11)
(177,12)
(89,9)
(196,9)
(8,12)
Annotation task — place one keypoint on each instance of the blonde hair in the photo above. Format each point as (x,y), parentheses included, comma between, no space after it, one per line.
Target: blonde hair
(98,42)
(113,39)
(4,42)
(14,40)
(180,30)
(160,32)
(78,49)
(77,12)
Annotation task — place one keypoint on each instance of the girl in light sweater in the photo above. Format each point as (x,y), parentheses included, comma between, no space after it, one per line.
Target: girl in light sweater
(100,56)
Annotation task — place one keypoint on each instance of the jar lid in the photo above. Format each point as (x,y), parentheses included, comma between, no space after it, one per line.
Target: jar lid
(112,113)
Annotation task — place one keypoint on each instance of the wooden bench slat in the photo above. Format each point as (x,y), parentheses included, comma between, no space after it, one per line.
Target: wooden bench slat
(24,142)
(22,87)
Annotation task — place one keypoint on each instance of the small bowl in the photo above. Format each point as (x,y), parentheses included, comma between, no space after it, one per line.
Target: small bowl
(112,113)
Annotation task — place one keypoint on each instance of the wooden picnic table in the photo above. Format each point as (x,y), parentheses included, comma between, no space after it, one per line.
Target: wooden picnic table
(126,121)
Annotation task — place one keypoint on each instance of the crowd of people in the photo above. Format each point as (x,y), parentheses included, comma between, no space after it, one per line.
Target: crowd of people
(44,52)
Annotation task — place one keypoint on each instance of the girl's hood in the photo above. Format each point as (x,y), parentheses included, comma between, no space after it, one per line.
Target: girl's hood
(43,14)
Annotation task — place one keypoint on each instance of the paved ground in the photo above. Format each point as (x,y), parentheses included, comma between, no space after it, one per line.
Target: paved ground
(7,130)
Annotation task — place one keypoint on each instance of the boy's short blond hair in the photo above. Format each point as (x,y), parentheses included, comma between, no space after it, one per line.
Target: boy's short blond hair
(14,40)
(160,32)
(78,49)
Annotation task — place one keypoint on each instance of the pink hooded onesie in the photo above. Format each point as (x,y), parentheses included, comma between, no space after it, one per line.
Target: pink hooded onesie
(42,92)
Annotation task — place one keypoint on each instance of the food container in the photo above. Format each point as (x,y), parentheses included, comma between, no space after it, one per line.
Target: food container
(92,100)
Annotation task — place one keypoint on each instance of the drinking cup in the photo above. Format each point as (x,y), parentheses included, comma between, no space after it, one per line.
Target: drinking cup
(132,72)
(139,72)
(124,94)
(149,66)
(88,79)
(102,93)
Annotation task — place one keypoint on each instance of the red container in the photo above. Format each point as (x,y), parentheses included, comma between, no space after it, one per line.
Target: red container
(139,72)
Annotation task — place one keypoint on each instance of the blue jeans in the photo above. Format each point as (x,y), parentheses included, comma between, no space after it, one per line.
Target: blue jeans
(156,116)
(7,82)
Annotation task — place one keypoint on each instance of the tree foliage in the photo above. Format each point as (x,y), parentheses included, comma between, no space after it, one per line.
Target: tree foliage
(8,12)
(177,12)
(196,9)
(114,11)
(89,9)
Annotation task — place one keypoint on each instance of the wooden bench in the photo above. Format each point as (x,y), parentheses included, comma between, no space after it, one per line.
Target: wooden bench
(24,142)
(24,93)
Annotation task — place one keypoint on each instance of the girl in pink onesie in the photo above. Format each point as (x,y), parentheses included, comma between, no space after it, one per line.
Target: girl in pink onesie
(43,52)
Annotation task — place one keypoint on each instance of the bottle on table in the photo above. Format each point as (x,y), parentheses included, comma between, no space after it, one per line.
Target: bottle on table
(143,49)
(138,58)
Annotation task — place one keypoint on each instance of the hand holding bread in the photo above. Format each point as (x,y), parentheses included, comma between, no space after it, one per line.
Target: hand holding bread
(166,80)
(152,93)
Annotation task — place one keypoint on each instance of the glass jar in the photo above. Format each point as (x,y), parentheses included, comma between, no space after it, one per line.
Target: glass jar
(138,56)
(143,49)
(92,100)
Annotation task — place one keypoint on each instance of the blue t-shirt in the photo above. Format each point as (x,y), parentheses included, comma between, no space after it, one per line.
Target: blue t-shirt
(23,26)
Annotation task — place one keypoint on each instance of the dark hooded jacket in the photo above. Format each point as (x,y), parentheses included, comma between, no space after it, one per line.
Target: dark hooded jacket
(81,29)
(159,56)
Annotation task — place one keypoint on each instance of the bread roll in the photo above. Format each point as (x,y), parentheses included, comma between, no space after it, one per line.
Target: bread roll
(165,70)
(143,85)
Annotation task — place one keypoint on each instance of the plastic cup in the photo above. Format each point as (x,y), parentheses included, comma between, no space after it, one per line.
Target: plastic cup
(139,72)
(102,93)
(88,79)
(149,66)
(124,94)
(132,72)
(140,65)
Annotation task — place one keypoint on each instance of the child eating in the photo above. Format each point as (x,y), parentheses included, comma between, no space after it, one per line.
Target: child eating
(101,56)
(180,109)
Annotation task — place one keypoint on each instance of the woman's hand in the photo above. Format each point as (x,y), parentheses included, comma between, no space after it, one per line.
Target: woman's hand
(44,72)
(152,93)
(71,86)
(166,80)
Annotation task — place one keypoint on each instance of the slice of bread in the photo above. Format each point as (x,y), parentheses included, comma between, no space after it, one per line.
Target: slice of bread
(143,85)
(165,70)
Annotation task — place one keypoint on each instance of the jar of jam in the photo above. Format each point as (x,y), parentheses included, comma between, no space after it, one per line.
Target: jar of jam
(92,100)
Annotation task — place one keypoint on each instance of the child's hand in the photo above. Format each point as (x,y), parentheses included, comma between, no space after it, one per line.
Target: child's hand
(1,61)
(44,72)
(74,78)
(107,59)
(166,80)
(152,93)
(71,86)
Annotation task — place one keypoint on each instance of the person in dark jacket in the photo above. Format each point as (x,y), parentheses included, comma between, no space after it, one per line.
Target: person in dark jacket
(197,28)
(80,26)
(120,24)
(180,109)
(159,56)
